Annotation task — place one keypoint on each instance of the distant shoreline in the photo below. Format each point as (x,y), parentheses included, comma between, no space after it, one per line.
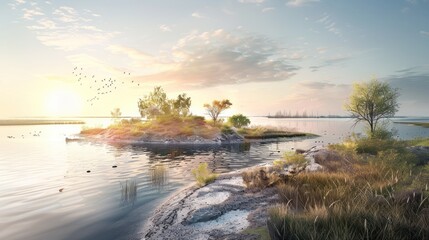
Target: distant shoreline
(20,122)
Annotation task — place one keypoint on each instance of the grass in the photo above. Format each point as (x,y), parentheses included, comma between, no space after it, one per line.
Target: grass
(11,122)
(419,142)
(203,175)
(261,232)
(420,124)
(259,132)
(161,127)
(372,192)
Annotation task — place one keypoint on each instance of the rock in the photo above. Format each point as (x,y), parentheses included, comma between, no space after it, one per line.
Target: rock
(300,151)
(204,215)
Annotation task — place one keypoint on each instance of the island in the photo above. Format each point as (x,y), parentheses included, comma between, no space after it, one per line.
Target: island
(169,121)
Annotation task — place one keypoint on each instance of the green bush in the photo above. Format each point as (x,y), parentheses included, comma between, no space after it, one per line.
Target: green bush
(226,129)
(239,121)
(202,174)
(294,158)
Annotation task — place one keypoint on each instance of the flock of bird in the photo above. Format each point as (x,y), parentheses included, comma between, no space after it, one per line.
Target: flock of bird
(101,87)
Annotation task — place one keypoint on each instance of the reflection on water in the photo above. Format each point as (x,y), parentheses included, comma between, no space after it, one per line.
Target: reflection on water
(129,192)
(33,169)
(159,176)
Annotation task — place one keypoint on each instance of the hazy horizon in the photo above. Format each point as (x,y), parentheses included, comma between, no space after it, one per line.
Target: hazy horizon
(263,55)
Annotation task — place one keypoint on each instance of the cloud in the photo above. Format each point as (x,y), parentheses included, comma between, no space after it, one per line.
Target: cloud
(64,27)
(196,15)
(413,92)
(251,1)
(221,58)
(330,62)
(426,33)
(330,25)
(165,28)
(30,13)
(299,3)
(268,9)
(130,52)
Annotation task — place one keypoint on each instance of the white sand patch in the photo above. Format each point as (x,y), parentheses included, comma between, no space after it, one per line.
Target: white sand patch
(210,198)
(231,222)
(235,181)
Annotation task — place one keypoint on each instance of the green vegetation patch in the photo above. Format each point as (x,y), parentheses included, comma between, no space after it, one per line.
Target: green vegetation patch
(267,133)
(420,124)
(381,193)
(203,175)
(261,232)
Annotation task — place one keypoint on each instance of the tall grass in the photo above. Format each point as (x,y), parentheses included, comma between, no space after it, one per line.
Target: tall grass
(378,194)
(203,175)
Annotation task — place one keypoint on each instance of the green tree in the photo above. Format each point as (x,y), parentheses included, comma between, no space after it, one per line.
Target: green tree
(155,104)
(216,108)
(372,102)
(182,104)
(116,114)
(239,120)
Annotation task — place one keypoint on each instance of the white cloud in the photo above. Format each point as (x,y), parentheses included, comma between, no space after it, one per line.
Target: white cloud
(64,27)
(165,28)
(130,52)
(298,3)
(251,1)
(30,13)
(219,58)
(424,33)
(330,25)
(196,15)
(268,9)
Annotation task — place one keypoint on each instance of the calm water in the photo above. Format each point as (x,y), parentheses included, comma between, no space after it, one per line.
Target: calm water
(113,203)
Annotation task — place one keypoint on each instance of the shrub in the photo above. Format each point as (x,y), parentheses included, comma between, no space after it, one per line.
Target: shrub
(239,121)
(202,174)
(226,129)
(294,159)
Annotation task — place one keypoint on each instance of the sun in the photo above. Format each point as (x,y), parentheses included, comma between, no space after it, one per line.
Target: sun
(63,102)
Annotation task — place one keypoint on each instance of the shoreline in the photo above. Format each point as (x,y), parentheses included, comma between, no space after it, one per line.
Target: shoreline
(29,122)
(224,208)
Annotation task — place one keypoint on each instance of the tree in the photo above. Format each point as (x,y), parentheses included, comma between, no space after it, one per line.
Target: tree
(116,113)
(372,102)
(239,120)
(157,104)
(216,108)
(182,104)
(154,104)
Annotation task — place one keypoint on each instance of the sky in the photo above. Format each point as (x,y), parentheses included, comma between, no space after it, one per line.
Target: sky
(263,55)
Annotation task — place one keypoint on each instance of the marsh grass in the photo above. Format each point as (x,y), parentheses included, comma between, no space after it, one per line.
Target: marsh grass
(377,195)
(203,175)
(163,126)
(264,132)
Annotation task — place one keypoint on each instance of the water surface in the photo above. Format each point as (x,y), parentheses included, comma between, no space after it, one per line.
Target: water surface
(113,202)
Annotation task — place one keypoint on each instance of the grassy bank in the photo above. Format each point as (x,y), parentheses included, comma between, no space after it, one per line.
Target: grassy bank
(420,124)
(259,132)
(370,189)
(162,127)
(171,127)
(16,122)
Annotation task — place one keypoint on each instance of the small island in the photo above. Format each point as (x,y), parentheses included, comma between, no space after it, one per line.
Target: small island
(169,121)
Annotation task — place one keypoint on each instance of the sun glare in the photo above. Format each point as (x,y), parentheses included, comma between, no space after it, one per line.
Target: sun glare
(63,102)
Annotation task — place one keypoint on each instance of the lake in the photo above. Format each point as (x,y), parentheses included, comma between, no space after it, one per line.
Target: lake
(47,193)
